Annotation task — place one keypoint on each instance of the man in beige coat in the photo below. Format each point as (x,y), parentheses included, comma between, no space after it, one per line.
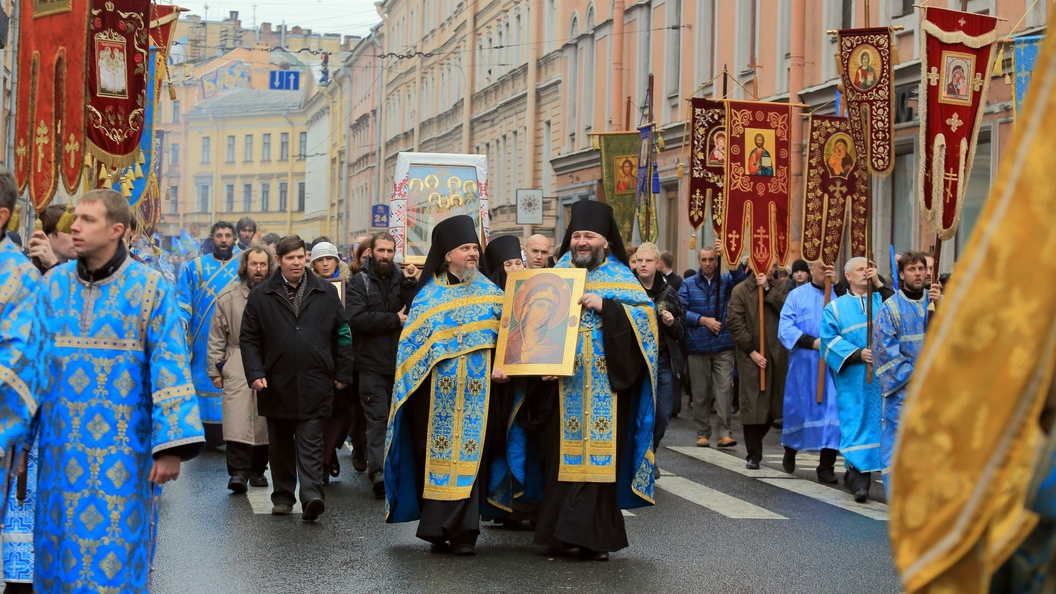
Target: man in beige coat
(245,432)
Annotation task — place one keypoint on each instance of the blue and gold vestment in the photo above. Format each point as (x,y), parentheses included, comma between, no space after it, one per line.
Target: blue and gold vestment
(122,393)
(201,282)
(448,339)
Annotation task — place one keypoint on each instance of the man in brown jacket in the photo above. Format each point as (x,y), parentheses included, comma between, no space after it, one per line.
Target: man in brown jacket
(245,432)
(759,408)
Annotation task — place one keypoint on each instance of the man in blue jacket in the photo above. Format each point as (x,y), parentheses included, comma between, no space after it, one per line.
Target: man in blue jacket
(705,296)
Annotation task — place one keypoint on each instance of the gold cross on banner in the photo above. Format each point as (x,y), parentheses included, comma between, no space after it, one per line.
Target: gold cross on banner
(22,151)
(961,22)
(42,139)
(954,122)
(951,178)
(977,82)
(762,234)
(933,76)
(71,148)
(838,189)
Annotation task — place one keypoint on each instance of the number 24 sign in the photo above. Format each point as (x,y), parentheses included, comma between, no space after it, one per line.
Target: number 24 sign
(379,216)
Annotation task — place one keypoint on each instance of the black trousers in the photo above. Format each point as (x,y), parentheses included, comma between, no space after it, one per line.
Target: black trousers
(826,460)
(247,459)
(295,449)
(375,395)
(753,440)
(856,480)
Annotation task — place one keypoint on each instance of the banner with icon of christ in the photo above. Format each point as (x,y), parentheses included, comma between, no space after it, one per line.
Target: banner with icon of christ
(956,55)
(865,60)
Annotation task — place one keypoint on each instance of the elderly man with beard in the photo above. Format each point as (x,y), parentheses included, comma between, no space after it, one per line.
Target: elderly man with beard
(436,451)
(377,302)
(595,436)
(199,284)
(898,337)
(245,431)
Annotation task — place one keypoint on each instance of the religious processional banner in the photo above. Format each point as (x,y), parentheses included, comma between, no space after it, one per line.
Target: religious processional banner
(49,123)
(619,176)
(707,165)
(430,187)
(118,64)
(149,206)
(956,51)
(647,186)
(1024,53)
(865,62)
(837,182)
(758,183)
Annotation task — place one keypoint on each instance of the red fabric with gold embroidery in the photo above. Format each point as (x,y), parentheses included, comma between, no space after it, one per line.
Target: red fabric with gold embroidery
(118,50)
(707,171)
(758,182)
(866,62)
(956,58)
(49,122)
(836,181)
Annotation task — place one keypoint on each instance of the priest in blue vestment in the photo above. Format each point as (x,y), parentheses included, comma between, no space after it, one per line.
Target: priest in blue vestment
(443,410)
(201,282)
(898,337)
(844,344)
(594,429)
(808,424)
(120,416)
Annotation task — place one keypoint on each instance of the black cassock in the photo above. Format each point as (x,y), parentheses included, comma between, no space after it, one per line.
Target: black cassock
(585,515)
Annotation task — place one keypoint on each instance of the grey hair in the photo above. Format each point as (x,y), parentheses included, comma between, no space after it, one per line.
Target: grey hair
(849,266)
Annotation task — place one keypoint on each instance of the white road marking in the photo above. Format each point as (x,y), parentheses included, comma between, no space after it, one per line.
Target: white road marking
(721,503)
(841,499)
(726,461)
(627,514)
(260,498)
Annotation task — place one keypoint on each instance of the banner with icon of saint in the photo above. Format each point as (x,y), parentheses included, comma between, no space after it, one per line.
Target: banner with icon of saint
(836,187)
(865,60)
(707,172)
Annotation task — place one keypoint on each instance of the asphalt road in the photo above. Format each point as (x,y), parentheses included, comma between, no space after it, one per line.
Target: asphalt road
(715,528)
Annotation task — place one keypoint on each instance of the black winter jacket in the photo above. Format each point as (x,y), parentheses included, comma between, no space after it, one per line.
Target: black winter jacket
(373,304)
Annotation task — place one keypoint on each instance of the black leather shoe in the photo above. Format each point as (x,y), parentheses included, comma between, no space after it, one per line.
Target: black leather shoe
(827,477)
(788,462)
(752,464)
(379,484)
(335,467)
(359,460)
(237,484)
(861,495)
(313,509)
(590,555)
(464,550)
(258,480)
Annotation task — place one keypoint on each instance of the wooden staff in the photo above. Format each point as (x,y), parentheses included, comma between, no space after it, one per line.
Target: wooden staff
(869,257)
(821,360)
(762,340)
(936,255)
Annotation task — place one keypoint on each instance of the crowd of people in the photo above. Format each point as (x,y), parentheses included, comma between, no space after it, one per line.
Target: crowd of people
(282,352)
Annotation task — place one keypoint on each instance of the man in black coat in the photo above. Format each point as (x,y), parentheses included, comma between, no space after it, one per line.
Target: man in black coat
(290,333)
(377,303)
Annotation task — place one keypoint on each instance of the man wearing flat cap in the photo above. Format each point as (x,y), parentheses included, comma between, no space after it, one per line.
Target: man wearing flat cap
(595,427)
(435,460)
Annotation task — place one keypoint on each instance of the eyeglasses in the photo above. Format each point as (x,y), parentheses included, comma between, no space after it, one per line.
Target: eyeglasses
(258,264)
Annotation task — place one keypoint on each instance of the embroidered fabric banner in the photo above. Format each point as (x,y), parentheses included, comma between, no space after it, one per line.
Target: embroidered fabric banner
(647,187)
(619,177)
(149,207)
(707,163)
(758,183)
(836,183)
(118,61)
(49,122)
(956,51)
(864,57)
(1024,53)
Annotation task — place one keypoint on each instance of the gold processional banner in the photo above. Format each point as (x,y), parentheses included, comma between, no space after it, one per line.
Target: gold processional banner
(865,60)
(707,163)
(837,183)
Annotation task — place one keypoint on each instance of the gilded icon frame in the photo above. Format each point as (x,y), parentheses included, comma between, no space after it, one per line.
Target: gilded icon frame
(556,351)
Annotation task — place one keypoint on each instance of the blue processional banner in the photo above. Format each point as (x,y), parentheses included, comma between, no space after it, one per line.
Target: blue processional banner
(1024,53)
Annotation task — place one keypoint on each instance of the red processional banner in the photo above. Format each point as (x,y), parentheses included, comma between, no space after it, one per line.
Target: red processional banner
(758,183)
(118,54)
(163,19)
(865,61)
(956,58)
(49,122)
(837,183)
(707,163)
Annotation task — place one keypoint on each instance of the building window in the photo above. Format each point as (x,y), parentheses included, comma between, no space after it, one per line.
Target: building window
(230,149)
(300,196)
(205,149)
(283,196)
(174,199)
(265,147)
(175,111)
(248,150)
(247,197)
(203,197)
(284,146)
(265,196)
(847,14)
(903,193)
(229,198)
(302,145)
(174,153)
(907,7)
(974,195)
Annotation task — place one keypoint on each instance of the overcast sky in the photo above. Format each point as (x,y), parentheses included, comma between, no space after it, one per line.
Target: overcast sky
(347,17)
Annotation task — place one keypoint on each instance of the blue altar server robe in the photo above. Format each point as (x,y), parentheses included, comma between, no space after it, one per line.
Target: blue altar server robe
(898,337)
(18,523)
(122,394)
(200,284)
(807,424)
(844,329)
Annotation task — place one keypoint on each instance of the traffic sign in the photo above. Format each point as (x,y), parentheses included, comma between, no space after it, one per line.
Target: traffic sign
(379,216)
(284,80)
